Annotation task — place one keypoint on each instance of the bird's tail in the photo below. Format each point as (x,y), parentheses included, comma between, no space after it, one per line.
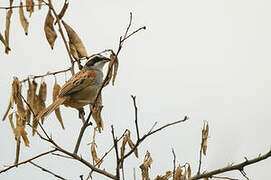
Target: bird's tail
(45,112)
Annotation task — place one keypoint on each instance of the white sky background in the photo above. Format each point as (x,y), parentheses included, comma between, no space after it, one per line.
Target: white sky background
(208,59)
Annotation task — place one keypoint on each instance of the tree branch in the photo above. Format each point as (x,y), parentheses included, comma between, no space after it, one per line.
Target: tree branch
(46,170)
(136,123)
(239,167)
(26,161)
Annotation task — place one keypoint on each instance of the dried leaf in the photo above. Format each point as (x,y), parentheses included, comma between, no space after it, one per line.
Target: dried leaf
(76,41)
(2,39)
(131,144)
(178,173)
(23,20)
(57,110)
(96,115)
(49,30)
(145,166)
(19,130)
(116,65)
(9,13)
(63,10)
(17,151)
(189,171)
(43,91)
(10,3)
(10,117)
(73,51)
(93,151)
(29,6)
(205,133)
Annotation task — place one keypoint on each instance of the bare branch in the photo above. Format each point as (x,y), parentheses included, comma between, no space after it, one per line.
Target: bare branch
(13,7)
(46,170)
(200,152)
(44,75)
(26,161)
(223,177)
(117,153)
(238,167)
(174,162)
(136,123)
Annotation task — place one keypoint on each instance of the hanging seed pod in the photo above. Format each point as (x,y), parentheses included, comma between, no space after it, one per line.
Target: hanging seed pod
(23,20)
(49,30)
(57,110)
(8,16)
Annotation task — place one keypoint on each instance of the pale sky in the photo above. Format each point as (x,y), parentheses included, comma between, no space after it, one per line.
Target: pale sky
(209,60)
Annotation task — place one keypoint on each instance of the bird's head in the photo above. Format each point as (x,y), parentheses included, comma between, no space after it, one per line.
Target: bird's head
(96,62)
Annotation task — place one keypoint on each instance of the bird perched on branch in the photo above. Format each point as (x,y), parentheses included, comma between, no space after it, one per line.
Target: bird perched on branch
(81,89)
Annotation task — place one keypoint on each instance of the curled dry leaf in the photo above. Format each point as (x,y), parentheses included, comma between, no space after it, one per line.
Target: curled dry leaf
(11,100)
(93,151)
(96,115)
(110,73)
(131,144)
(165,177)
(10,117)
(73,51)
(43,91)
(2,39)
(23,20)
(145,166)
(113,57)
(76,41)
(56,90)
(122,149)
(49,30)
(178,173)
(205,133)
(189,171)
(63,10)
(9,13)
(20,130)
(29,6)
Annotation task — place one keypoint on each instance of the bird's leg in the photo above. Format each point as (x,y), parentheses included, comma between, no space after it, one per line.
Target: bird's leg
(82,115)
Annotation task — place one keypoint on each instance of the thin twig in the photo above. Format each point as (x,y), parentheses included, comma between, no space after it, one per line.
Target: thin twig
(117,153)
(44,75)
(46,170)
(174,162)
(136,123)
(223,177)
(200,152)
(60,155)
(12,7)
(238,167)
(26,161)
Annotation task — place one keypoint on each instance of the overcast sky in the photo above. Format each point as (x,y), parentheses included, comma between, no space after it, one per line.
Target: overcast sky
(209,60)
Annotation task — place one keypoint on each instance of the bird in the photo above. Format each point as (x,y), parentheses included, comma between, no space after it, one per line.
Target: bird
(81,89)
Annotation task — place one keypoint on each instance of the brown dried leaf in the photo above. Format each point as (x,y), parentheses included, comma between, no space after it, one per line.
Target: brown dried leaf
(63,10)
(96,115)
(23,20)
(189,171)
(57,110)
(145,166)
(205,133)
(19,130)
(116,65)
(17,151)
(49,30)
(93,151)
(73,51)
(76,41)
(131,144)
(10,3)
(29,6)
(43,91)
(2,39)
(9,13)
(178,173)
(10,117)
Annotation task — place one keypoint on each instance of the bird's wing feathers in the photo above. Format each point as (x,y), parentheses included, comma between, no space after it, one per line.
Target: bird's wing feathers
(78,82)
